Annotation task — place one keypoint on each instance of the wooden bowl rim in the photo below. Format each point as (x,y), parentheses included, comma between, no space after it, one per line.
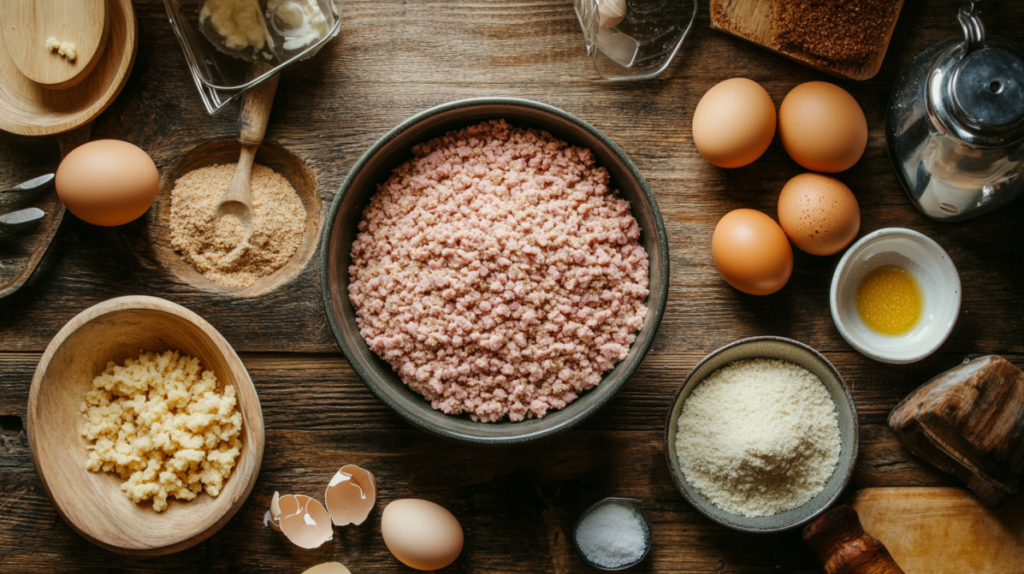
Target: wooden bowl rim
(246,391)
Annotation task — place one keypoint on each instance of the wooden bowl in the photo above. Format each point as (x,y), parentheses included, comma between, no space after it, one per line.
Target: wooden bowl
(93,503)
(799,354)
(376,165)
(220,152)
(32,109)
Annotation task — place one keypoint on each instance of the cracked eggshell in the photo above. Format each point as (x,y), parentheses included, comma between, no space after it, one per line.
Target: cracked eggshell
(273,516)
(305,521)
(351,495)
(328,568)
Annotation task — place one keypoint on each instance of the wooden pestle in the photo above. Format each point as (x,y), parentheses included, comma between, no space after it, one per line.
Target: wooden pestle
(839,542)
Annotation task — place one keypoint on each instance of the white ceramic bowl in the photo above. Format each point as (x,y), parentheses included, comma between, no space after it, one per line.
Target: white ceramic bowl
(935,273)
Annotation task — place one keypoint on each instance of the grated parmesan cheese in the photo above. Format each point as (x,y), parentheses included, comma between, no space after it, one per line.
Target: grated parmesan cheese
(758,437)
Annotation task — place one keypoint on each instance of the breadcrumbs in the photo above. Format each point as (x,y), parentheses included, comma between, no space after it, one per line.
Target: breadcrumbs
(279,220)
(835,31)
(498,273)
(163,426)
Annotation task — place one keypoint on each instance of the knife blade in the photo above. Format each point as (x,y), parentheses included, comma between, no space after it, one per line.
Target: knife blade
(35,182)
(22,216)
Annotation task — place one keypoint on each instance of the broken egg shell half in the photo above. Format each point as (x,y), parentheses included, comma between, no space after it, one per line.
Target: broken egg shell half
(351,495)
(273,516)
(305,521)
(328,568)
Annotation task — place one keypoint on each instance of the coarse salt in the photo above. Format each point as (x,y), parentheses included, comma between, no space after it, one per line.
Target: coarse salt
(612,535)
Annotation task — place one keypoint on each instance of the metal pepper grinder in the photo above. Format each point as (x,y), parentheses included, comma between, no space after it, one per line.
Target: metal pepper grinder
(955,124)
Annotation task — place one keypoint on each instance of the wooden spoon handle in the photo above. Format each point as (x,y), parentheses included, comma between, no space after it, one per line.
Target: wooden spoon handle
(240,187)
(256,103)
(840,544)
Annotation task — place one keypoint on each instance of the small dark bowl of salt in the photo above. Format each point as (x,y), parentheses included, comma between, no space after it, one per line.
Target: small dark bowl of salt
(613,534)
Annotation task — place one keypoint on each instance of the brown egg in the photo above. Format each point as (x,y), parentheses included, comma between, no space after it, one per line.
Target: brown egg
(734,123)
(107,182)
(752,252)
(421,534)
(819,213)
(822,127)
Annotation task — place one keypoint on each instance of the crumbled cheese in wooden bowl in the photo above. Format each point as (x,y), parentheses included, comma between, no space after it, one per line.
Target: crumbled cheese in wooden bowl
(758,437)
(164,426)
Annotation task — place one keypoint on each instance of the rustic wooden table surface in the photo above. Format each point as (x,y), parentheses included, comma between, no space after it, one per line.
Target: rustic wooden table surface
(395,58)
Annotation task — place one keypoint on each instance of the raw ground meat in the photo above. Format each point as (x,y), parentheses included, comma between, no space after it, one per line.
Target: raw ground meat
(497,273)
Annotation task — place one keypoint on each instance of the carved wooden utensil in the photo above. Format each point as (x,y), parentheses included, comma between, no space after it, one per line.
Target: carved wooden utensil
(840,544)
(252,126)
(28,24)
(969,421)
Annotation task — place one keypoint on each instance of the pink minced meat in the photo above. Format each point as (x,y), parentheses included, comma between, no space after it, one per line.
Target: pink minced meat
(497,273)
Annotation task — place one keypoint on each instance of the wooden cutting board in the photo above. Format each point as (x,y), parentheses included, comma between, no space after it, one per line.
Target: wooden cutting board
(27,24)
(944,530)
(751,20)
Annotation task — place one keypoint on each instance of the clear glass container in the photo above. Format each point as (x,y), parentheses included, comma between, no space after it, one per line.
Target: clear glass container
(219,71)
(638,39)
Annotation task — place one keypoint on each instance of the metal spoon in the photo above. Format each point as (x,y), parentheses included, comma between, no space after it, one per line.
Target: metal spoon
(34,183)
(252,125)
(22,216)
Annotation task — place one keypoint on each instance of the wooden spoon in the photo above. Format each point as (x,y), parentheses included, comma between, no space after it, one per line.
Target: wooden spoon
(28,24)
(252,126)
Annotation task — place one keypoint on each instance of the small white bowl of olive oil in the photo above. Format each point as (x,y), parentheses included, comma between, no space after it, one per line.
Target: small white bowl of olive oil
(895,295)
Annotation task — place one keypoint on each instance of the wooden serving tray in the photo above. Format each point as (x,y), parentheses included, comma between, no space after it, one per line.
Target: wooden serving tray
(751,20)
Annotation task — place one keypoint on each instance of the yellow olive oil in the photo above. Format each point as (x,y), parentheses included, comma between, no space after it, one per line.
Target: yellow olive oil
(890,301)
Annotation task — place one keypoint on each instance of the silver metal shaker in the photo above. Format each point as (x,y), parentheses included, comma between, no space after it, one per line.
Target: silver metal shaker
(955,125)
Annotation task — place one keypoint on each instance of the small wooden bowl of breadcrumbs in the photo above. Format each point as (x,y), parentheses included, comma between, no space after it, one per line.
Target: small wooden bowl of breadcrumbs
(286,221)
(762,435)
(146,388)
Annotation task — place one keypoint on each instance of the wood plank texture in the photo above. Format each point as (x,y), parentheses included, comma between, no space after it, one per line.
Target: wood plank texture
(395,58)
